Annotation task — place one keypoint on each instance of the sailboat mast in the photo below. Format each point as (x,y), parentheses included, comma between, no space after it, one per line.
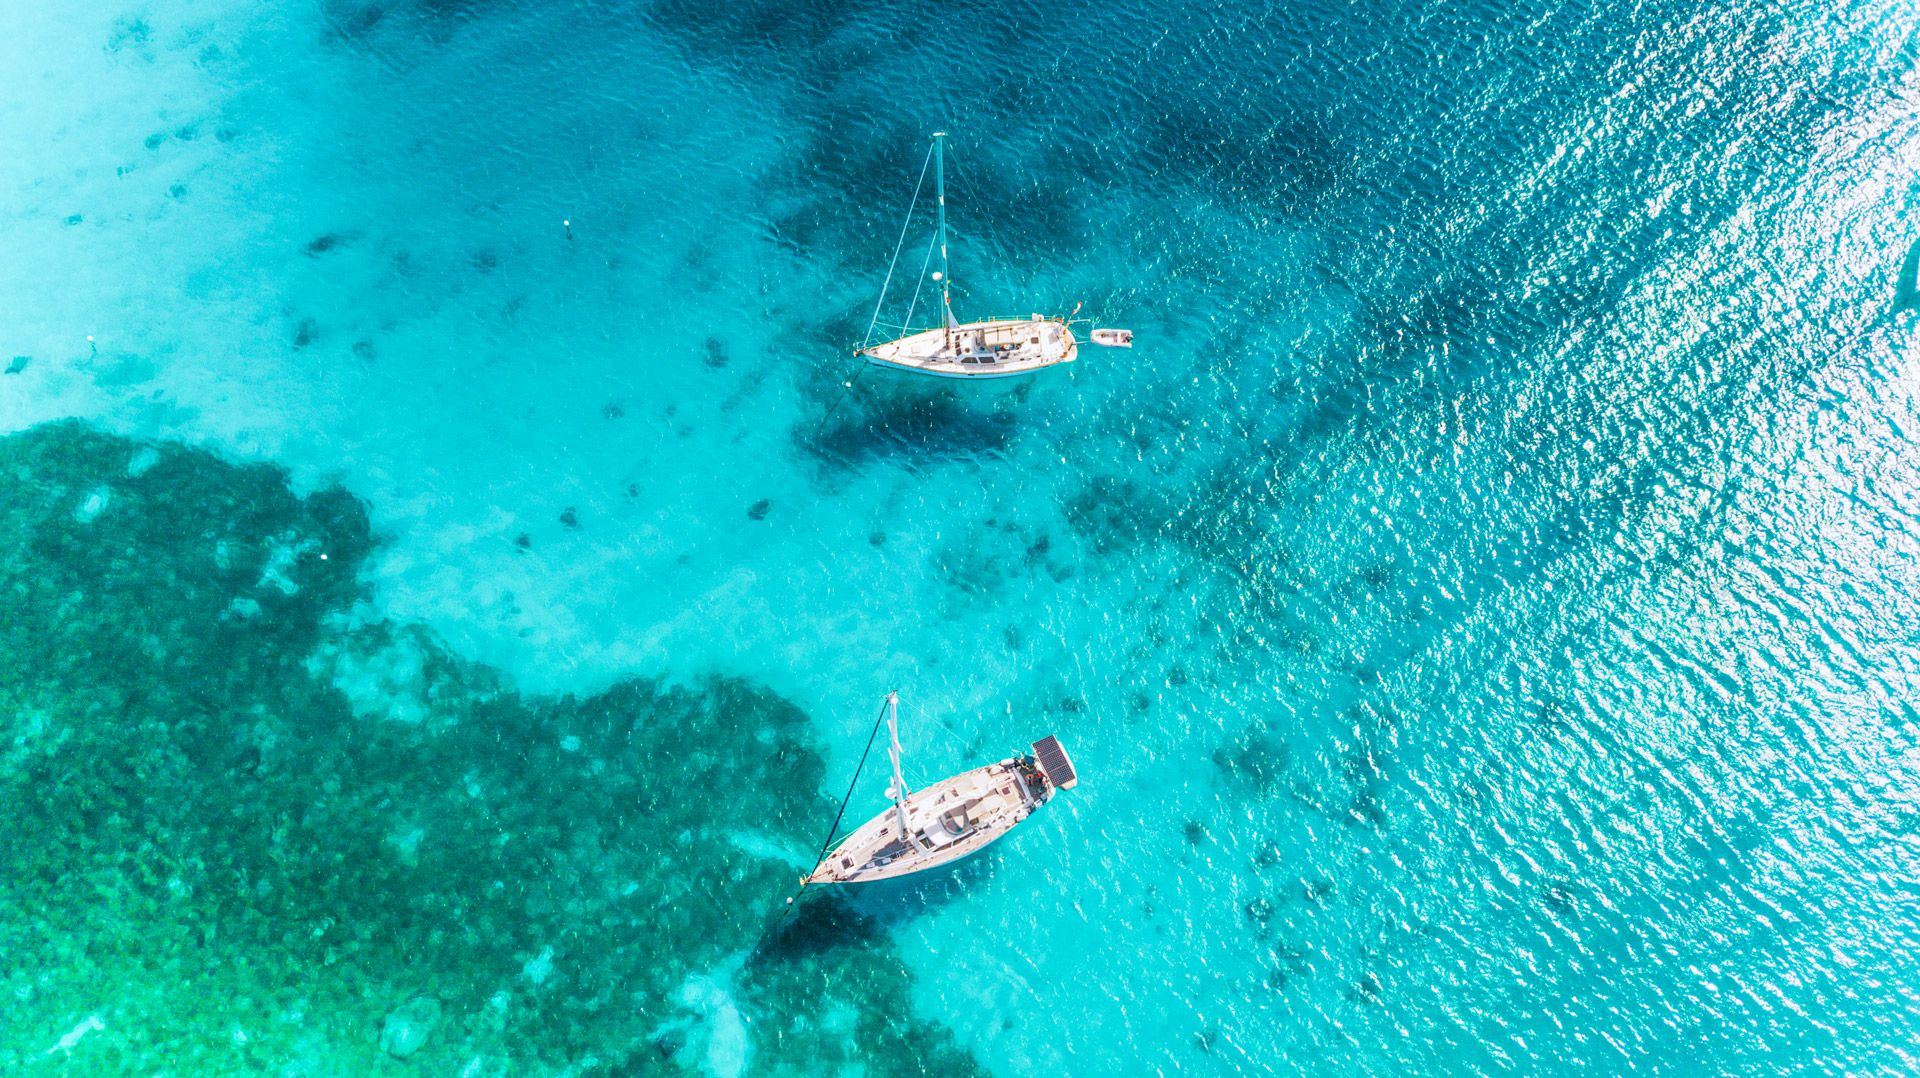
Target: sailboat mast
(899,790)
(940,189)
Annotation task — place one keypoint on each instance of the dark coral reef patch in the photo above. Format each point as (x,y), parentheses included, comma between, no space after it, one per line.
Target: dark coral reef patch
(252,829)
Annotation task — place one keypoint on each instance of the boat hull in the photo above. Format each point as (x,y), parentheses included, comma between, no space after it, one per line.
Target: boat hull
(998,348)
(971,377)
(944,823)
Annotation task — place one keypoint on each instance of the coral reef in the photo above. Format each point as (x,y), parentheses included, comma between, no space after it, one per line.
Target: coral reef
(254,829)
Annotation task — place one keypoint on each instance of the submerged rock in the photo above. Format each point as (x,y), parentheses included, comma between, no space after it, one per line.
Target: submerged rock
(406,1029)
(328,241)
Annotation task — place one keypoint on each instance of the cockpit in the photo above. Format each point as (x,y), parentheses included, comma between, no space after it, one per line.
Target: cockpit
(958,820)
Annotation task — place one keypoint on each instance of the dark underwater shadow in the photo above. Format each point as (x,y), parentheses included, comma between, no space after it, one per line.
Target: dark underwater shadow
(895,902)
(892,418)
(821,921)
(825,919)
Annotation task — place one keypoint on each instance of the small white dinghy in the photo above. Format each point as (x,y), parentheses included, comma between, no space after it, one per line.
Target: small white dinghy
(948,820)
(995,348)
(1113,338)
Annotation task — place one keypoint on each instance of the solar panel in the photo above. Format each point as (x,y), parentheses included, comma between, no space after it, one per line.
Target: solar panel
(1053,760)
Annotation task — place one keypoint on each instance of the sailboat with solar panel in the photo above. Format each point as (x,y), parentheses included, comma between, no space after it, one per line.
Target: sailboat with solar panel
(994,348)
(942,823)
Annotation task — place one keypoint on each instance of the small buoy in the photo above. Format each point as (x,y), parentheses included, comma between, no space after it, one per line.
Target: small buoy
(937,275)
(91,345)
(568,225)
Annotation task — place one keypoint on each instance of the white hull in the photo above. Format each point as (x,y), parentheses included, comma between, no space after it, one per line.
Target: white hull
(1002,348)
(974,376)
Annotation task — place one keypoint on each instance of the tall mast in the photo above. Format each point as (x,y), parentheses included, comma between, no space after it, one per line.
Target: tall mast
(940,188)
(899,791)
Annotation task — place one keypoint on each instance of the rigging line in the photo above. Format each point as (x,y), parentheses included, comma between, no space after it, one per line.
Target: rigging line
(835,829)
(847,386)
(966,747)
(923,280)
(864,753)
(867,339)
(905,223)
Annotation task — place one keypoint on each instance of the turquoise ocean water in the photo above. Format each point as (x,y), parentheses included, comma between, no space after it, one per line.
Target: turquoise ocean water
(1482,606)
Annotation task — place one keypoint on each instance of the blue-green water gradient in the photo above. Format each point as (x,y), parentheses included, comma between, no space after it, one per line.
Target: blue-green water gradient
(1481,605)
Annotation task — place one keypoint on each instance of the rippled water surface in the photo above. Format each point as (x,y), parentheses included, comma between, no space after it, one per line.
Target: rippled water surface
(1482,606)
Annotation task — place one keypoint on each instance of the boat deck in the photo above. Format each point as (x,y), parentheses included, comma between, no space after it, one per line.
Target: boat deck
(996,348)
(944,822)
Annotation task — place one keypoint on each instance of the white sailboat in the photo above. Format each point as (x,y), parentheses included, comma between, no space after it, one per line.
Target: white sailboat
(994,348)
(948,820)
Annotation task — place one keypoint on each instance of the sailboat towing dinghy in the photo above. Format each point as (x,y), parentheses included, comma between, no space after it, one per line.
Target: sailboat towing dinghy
(948,820)
(995,348)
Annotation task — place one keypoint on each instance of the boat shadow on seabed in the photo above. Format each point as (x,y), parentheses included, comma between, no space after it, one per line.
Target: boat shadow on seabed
(889,417)
(827,917)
